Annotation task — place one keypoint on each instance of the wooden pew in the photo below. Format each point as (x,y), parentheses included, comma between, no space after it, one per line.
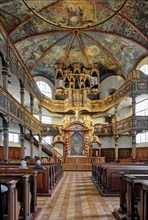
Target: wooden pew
(134,187)
(111,176)
(32,185)
(98,169)
(47,179)
(42,177)
(108,182)
(121,212)
(13,206)
(143,204)
(123,188)
(23,189)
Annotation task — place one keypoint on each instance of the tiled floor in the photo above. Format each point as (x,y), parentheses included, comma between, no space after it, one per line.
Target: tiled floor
(76,198)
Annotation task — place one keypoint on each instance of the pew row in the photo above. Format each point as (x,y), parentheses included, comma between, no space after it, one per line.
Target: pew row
(23,193)
(10,206)
(26,185)
(143,204)
(132,194)
(107,177)
(47,179)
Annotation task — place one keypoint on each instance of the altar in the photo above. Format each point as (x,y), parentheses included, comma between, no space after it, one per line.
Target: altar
(77,163)
(78,143)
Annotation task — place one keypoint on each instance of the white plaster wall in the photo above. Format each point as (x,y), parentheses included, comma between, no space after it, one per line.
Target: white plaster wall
(124,113)
(144,144)
(57,120)
(59,148)
(109,83)
(98,120)
(124,142)
(36,150)
(107,142)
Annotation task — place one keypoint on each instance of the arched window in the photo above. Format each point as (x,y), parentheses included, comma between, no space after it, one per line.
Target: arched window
(144,69)
(44,88)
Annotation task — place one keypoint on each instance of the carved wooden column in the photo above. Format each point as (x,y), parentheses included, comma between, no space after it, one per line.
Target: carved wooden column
(1,79)
(86,143)
(116,136)
(6,138)
(70,97)
(66,148)
(22,141)
(22,93)
(31,104)
(133,105)
(40,146)
(40,113)
(5,76)
(133,146)
(31,145)
(133,130)
(84,96)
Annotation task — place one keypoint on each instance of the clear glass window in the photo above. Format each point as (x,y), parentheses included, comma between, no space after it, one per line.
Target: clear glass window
(44,88)
(144,69)
(13,137)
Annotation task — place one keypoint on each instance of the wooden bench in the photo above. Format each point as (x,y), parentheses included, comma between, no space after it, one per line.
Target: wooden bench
(47,179)
(134,187)
(32,185)
(13,204)
(24,196)
(123,188)
(108,176)
(121,212)
(143,204)
(97,169)
(111,176)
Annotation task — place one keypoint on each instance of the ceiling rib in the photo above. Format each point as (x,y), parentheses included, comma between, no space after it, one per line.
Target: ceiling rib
(69,47)
(82,47)
(122,18)
(41,57)
(118,35)
(103,48)
(33,15)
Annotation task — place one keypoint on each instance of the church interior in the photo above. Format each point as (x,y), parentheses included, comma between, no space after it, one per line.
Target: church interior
(74,101)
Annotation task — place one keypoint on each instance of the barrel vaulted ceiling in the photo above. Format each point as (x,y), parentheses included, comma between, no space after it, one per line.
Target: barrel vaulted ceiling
(85,31)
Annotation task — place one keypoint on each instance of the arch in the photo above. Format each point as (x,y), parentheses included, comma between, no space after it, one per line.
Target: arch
(49,87)
(143,65)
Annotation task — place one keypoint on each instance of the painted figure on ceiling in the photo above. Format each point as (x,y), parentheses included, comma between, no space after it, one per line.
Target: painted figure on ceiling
(74,16)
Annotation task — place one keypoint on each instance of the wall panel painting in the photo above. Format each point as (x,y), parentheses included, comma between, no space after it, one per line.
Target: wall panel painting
(77,144)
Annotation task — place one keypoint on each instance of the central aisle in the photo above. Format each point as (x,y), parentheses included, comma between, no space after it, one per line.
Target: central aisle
(76,197)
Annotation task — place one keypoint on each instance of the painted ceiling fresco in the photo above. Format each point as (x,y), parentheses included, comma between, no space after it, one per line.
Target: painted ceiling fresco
(49,32)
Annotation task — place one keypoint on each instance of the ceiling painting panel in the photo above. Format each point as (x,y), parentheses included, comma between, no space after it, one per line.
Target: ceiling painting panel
(123,50)
(118,26)
(76,53)
(56,54)
(96,54)
(33,48)
(114,45)
(136,11)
